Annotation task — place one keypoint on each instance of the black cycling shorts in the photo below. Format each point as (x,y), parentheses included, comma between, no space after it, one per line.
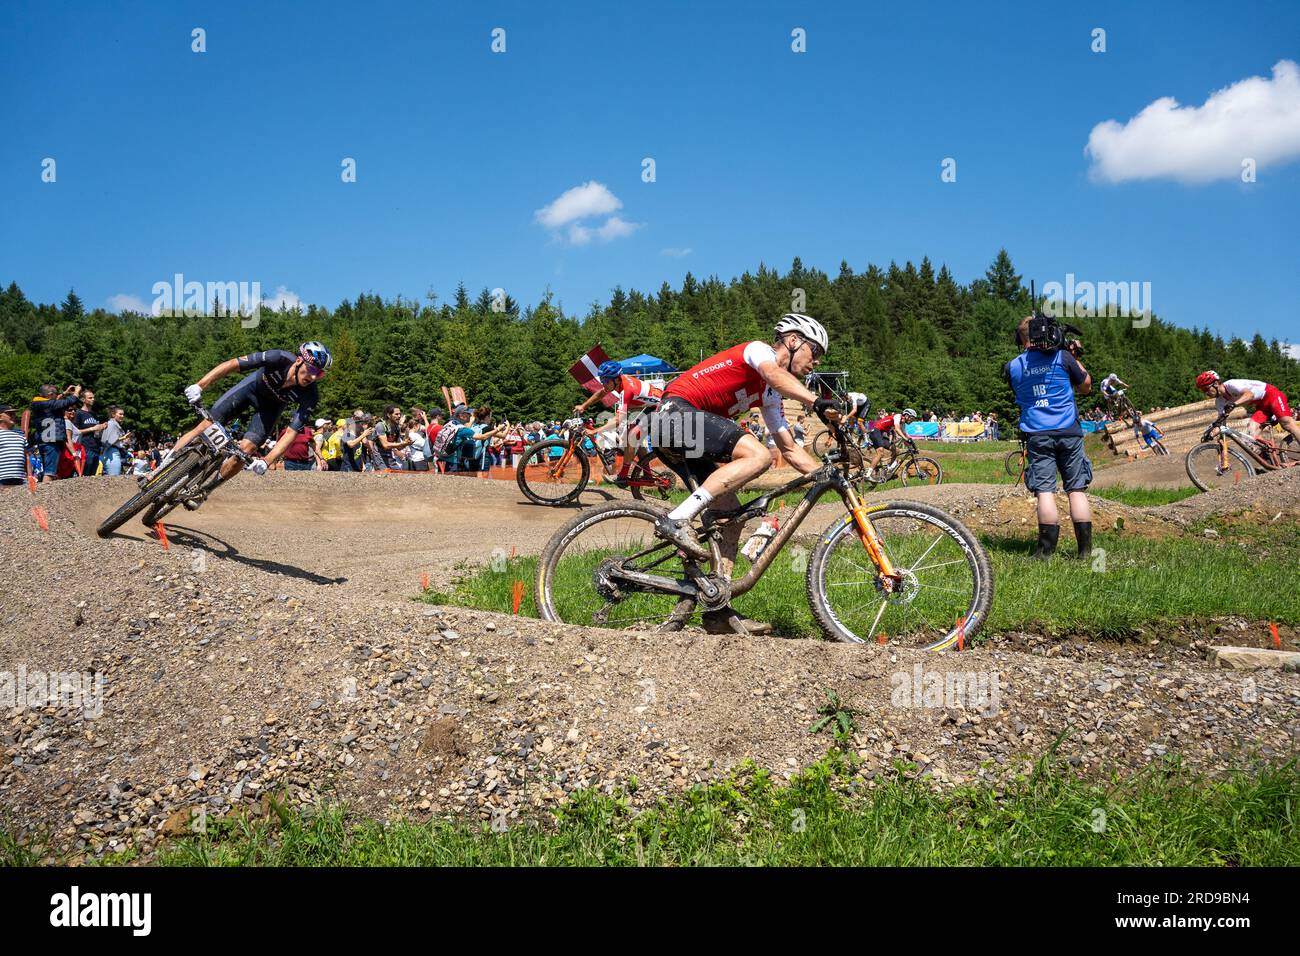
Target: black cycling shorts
(691,442)
(879,439)
(265,417)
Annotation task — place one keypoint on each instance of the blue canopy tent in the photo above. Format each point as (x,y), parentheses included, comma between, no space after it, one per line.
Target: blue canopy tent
(646,365)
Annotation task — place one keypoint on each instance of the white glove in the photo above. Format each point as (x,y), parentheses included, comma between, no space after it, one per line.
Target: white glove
(257,466)
(193,393)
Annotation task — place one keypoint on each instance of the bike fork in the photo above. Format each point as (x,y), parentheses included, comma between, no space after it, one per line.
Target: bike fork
(870,540)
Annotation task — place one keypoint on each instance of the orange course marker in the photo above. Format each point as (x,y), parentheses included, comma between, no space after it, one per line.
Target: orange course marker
(41,517)
(880,638)
(162,535)
(424,581)
(1277,641)
(961,633)
(31,483)
(519,595)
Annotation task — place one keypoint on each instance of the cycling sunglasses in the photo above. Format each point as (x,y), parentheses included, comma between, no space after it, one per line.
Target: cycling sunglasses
(312,367)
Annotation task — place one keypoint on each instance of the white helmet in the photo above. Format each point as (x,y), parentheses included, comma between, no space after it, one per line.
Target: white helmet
(858,403)
(806,326)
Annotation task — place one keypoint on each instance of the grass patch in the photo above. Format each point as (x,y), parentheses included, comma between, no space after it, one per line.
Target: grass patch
(1143,497)
(1136,582)
(825,816)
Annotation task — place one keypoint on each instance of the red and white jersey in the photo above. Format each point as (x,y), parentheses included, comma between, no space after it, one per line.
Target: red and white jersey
(1236,387)
(632,393)
(728,384)
(887,422)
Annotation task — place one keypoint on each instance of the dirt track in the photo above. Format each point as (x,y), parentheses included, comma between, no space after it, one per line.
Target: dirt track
(274,648)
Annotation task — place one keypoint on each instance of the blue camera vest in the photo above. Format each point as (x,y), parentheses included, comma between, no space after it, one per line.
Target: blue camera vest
(1043,391)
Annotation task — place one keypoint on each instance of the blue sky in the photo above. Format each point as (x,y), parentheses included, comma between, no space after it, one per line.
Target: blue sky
(225,165)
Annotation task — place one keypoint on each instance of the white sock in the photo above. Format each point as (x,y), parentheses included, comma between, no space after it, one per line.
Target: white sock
(697,502)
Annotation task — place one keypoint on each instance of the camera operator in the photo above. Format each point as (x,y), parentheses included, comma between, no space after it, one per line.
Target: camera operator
(1044,377)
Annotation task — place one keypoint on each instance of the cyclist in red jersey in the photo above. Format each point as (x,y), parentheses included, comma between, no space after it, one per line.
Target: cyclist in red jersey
(695,432)
(1270,402)
(882,431)
(633,395)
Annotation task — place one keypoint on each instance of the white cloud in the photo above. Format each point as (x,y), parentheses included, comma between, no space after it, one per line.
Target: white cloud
(579,235)
(1292,350)
(283,298)
(1255,118)
(616,228)
(122,302)
(580,202)
(675,251)
(589,201)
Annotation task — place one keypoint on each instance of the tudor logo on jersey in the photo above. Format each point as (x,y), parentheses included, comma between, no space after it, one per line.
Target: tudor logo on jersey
(725,384)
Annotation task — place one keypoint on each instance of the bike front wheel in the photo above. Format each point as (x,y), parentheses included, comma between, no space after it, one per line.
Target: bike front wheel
(550,474)
(1015,464)
(943,595)
(575,584)
(1203,467)
(171,477)
(920,470)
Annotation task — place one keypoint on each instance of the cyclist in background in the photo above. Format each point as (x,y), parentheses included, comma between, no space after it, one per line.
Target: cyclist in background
(633,395)
(882,431)
(1111,387)
(1267,400)
(1146,430)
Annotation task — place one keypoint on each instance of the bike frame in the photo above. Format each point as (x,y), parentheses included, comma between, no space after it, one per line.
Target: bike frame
(834,476)
(1263,450)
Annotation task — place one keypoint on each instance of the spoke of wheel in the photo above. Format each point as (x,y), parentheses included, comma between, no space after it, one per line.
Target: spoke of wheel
(915,570)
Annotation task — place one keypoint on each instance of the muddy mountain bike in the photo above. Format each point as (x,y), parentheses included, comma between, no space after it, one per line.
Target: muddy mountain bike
(1215,463)
(556,471)
(909,467)
(901,569)
(185,480)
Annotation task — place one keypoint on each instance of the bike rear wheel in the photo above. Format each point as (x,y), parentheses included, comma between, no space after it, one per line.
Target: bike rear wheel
(548,479)
(822,443)
(170,477)
(1203,467)
(648,467)
(946,588)
(573,584)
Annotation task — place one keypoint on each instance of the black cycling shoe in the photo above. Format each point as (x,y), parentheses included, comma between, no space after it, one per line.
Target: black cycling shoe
(720,622)
(618,481)
(680,534)
(192,503)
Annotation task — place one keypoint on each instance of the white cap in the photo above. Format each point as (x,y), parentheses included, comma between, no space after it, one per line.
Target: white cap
(321,422)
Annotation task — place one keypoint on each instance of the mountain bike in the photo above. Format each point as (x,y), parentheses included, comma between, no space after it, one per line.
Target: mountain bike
(186,480)
(1016,462)
(1122,409)
(902,569)
(910,466)
(556,471)
(824,442)
(1214,463)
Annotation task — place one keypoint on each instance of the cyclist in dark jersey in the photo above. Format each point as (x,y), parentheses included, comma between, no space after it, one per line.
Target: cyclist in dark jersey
(279,378)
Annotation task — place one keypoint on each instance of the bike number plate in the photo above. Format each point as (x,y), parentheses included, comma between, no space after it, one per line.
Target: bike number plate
(215,436)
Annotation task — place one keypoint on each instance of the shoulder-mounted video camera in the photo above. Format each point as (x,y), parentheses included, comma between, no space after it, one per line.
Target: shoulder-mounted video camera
(1046,334)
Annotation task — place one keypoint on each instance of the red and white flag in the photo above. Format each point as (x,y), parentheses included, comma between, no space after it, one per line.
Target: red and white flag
(585,369)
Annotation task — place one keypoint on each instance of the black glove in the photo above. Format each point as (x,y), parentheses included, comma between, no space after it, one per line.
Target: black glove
(824,405)
(1229,408)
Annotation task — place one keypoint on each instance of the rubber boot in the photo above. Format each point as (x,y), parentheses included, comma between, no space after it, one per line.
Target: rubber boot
(1083,534)
(1047,535)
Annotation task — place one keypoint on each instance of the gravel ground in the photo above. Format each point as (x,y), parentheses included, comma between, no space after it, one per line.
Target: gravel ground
(269,653)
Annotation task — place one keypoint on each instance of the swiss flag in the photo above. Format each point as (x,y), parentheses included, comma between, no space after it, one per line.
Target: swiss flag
(584,370)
